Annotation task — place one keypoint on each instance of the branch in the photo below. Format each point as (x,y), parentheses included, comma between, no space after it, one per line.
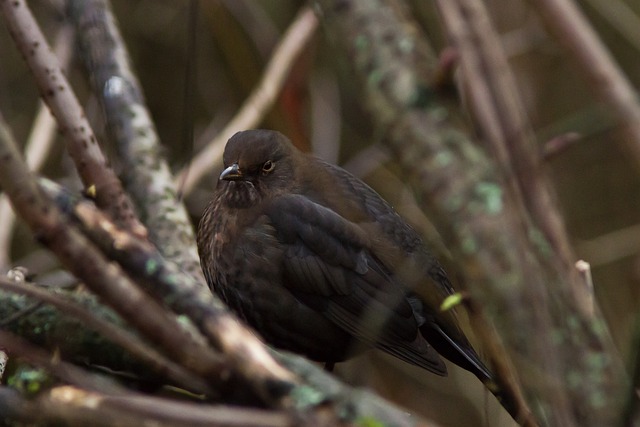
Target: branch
(58,95)
(38,145)
(20,348)
(147,175)
(508,261)
(73,406)
(496,104)
(114,333)
(568,25)
(245,354)
(85,261)
(319,394)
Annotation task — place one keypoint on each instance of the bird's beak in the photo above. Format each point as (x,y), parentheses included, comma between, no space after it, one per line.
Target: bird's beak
(232,173)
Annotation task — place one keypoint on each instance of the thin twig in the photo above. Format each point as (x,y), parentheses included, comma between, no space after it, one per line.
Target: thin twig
(572,31)
(3,363)
(584,270)
(622,19)
(59,97)
(259,102)
(559,144)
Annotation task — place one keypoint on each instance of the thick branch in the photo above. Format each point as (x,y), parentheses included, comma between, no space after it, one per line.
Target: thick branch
(115,333)
(506,260)
(147,175)
(73,406)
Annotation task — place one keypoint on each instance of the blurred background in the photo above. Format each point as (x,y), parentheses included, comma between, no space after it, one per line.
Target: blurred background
(320,110)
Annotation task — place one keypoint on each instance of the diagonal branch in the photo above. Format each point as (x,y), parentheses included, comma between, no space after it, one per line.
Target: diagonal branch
(572,31)
(87,263)
(59,97)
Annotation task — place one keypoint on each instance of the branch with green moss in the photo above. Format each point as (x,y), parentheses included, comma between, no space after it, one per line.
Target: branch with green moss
(147,175)
(566,362)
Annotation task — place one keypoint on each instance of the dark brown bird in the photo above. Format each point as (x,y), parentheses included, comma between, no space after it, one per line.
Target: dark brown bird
(319,264)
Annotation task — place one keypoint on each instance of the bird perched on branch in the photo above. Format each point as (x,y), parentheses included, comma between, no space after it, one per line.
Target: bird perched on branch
(319,264)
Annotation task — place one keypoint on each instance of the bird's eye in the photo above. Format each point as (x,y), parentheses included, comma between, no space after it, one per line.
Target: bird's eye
(268,166)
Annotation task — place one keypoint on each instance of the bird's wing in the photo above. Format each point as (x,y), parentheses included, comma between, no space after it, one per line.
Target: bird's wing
(327,265)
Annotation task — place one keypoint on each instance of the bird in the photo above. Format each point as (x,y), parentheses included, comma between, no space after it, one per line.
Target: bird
(320,264)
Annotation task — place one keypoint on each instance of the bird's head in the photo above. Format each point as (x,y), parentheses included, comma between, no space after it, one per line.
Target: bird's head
(257,164)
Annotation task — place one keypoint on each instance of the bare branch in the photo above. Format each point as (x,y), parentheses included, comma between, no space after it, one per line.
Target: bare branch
(87,263)
(147,175)
(495,101)
(19,348)
(58,95)
(74,406)
(243,350)
(571,29)
(38,145)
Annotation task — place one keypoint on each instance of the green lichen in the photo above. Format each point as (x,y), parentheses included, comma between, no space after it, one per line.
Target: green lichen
(557,337)
(491,196)
(596,362)
(375,77)
(306,396)
(369,422)
(469,245)
(538,239)
(29,380)
(151,267)
(443,158)
(361,42)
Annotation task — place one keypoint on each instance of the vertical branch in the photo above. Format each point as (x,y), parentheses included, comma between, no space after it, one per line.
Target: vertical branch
(148,178)
(567,365)
(500,114)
